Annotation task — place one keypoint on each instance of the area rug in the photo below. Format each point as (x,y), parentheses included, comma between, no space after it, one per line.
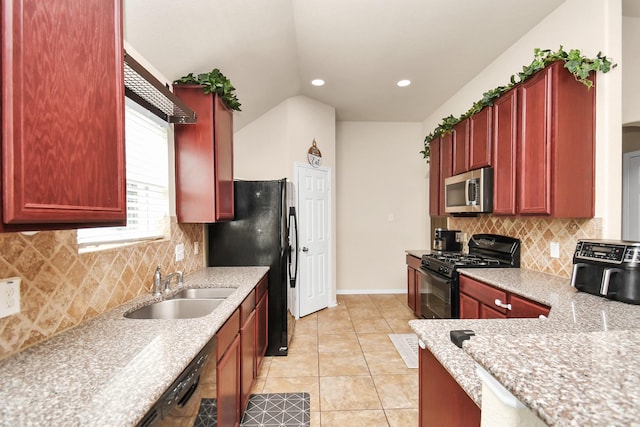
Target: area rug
(407,346)
(264,410)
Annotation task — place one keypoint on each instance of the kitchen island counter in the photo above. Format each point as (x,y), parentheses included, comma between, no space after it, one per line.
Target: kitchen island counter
(568,369)
(111,370)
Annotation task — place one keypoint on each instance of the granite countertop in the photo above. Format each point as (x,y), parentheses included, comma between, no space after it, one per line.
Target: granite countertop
(417,252)
(111,370)
(578,367)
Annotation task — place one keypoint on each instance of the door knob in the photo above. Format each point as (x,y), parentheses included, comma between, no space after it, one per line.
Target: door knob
(305,249)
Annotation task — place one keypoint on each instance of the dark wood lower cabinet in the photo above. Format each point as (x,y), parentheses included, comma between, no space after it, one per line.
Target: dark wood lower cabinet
(443,402)
(413,284)
(248,360)
(228,384)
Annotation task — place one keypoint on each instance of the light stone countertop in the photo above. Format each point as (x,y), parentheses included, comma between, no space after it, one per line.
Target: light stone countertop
(576,368)
(417,252)
(111,370)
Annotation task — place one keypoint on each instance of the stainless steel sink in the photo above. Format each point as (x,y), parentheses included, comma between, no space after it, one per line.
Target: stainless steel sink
(218,293)
(176,309)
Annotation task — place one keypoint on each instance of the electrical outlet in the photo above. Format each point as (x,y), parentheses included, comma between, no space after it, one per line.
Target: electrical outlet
(391,217)
(196,248)
(179,252)
(554,249)
(9,296)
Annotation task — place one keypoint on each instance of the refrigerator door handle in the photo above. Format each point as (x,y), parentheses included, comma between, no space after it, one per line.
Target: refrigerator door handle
(293,274)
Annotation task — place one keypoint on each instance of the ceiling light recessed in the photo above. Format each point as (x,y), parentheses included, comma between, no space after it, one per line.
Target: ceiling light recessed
(404,83)
(317,82)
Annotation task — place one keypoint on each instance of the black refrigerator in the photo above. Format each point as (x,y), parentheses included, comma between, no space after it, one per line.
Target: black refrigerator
(259,236)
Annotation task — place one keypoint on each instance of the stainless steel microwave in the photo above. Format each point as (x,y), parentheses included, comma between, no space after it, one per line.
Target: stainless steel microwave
(469,192)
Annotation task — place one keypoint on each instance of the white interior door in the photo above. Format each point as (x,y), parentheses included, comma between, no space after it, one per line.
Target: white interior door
(631,196)
(314,221)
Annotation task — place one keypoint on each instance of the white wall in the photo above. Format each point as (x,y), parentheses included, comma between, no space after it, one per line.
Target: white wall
(591,26)
(381,201)
(631,70)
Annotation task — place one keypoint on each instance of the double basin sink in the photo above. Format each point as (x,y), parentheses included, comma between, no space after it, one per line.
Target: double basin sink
(186,304)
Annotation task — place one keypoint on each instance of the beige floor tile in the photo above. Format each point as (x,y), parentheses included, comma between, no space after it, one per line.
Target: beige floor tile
(387,363)
(371,418)
(397,391)
(264,369)
(402,417)
(298,384)
(375,342)
(294,364)
(342,341)
(343,364)
(348,393)
(399,326)
(304,342)
(361,313)
(334,326)
(368,326)
(388,300)
(258,386)
(353,301)
(315,419)
(397,313)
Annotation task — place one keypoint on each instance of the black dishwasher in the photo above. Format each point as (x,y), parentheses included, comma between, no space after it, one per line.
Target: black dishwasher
(180,402)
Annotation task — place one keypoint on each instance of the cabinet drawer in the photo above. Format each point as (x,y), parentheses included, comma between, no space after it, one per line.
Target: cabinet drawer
(262,287)
(524,308)
(484,293)
(247,307)
(227,333)
(413,262)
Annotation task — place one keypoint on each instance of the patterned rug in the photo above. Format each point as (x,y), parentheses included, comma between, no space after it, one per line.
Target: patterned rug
(264,410)
(407,346)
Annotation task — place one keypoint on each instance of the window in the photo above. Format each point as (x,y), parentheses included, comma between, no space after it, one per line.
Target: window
(147,185)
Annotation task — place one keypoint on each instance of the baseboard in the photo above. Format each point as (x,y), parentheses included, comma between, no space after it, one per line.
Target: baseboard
(370,291)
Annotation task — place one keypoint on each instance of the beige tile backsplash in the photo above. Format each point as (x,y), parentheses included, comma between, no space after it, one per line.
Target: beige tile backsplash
(535,235)
(61,288)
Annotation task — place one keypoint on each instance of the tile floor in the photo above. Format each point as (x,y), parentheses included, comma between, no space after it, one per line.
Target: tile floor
(342,356)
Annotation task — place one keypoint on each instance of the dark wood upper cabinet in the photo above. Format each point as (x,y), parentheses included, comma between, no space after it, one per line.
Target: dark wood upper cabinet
(556,143)
(204,159)
(434,178)
(480,141)
(505,134)
(460,144)
(446,166)
(63,146)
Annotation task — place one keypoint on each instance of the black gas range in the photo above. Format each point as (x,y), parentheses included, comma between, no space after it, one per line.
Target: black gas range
(439,284)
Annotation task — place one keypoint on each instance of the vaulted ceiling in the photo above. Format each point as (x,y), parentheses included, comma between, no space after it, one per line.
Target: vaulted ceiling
(272,49)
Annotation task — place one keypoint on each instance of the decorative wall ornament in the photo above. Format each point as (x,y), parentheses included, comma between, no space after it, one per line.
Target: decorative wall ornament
(313,155)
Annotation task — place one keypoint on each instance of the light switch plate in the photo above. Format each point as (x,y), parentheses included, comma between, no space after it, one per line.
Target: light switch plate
(554,249)
(9,296)
(179,252)
(196,248)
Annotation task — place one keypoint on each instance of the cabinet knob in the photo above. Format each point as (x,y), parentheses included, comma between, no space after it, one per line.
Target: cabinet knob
(500,304)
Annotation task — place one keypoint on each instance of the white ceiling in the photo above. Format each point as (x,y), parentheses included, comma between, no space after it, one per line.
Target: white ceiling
(272,49)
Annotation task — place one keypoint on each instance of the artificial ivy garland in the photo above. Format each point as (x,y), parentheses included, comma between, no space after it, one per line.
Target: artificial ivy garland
(214,82)
(578,65)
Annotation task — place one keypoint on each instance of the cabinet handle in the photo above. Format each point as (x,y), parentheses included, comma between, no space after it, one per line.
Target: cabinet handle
(542,316)
(501,305)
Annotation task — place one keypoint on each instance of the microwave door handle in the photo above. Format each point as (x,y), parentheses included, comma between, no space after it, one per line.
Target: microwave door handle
(466,192)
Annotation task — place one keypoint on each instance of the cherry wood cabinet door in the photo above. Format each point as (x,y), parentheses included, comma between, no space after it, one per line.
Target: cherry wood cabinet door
(434,178)
(442,402)
(63,114)
(204,159)
(480,141)
(469,307)
(534,156)
(505,138)
(446,166)
(262,329)
(248,355)
(460,144)
(228,385)
(487,312)
(411,288)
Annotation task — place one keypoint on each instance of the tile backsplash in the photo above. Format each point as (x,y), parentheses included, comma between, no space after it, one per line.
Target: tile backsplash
(61,288)
(535,235)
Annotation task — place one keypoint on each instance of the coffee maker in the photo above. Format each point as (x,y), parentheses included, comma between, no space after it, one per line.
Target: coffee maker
(608,268)
(447,240)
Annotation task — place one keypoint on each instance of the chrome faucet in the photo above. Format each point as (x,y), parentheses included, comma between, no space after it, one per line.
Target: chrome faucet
(167,280)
